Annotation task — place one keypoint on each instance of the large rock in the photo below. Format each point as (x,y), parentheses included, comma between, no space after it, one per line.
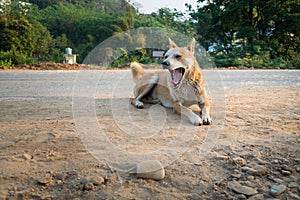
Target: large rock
(150,169)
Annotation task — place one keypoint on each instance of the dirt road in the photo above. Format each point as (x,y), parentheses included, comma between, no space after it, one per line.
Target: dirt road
(73,135)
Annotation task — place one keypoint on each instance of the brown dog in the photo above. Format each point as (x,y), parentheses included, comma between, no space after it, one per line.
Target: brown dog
(182,85)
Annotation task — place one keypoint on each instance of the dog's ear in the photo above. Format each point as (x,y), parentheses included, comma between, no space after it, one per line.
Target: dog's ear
(172,44)
(191,46)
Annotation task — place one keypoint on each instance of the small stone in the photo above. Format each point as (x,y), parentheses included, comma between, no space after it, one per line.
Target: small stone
(255,169)
(45,180)
(221,157)
(150,169)
(248,170)
(286,168)
(277,189)
(249,183)
(88,186)
(239,161)
(278,180)
(238,176)
(61,176)
(25,156)
(241,189)
(275,161)
(250,178)
(257,154)
(260,161)
(98,180)
(294,196)
(292,185)
(257,197)
(286,173)
(241,197)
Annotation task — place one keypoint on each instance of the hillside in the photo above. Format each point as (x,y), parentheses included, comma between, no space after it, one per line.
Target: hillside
(236,33)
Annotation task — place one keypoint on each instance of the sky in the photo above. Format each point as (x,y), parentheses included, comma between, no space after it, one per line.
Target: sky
(149,6)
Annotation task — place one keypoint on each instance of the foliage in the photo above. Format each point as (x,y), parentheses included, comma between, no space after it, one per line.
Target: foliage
(141,55)
(243,33)
(251,33)
(22,37)
(5,60)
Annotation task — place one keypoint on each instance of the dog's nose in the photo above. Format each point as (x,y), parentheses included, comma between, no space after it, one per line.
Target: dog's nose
(166,63)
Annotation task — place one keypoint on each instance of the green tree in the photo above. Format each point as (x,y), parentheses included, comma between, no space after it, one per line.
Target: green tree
(264,31)
(15,33)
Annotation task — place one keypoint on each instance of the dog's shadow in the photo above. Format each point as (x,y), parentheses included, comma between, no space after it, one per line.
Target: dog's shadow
(119,114)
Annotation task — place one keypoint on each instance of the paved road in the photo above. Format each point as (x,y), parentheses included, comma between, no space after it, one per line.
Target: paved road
(58,84)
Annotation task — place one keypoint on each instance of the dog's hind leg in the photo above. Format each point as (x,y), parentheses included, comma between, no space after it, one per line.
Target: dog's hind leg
(143,90)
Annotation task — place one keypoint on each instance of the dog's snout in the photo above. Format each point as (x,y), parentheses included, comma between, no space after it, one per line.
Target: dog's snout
(166,63)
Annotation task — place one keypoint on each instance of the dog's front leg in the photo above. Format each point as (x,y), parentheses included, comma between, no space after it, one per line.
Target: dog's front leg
(180,109)
(205,108)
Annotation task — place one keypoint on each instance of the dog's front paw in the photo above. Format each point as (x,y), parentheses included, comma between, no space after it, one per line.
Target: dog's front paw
(206,120)
(139,104)
(196,120)
(136,103)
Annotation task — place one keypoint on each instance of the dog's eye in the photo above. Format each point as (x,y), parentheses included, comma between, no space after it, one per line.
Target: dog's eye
(166,56)
(177,56)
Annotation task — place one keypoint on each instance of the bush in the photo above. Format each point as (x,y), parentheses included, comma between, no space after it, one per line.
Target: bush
(294,62)
(5,59)
(11,58)
(257,55)
(5,63)
(139,55)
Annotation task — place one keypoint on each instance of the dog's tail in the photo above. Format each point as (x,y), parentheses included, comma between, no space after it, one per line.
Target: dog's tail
(137,71)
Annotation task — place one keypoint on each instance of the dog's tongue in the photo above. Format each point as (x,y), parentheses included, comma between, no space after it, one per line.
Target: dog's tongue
(176,77)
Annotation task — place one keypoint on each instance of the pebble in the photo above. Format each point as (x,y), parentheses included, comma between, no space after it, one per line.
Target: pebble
(292,185)
(286,173)
(241,197)
(257,154)
(294,196)
(98,180)
(239,161)
(25,156)
(47,180)
(277,189)
(88,186)
(238,176)
(221,157)
(61,176)
(241,189)
(278,180)
(255,169)
(249,170)
(249,183)
(275,161)
(257,197)
(286,168)
(150,169)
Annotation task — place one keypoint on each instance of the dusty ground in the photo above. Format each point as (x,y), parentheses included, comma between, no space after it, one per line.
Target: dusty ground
(254,143)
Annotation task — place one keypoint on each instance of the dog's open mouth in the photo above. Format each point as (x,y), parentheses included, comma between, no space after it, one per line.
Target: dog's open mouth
(177,75)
